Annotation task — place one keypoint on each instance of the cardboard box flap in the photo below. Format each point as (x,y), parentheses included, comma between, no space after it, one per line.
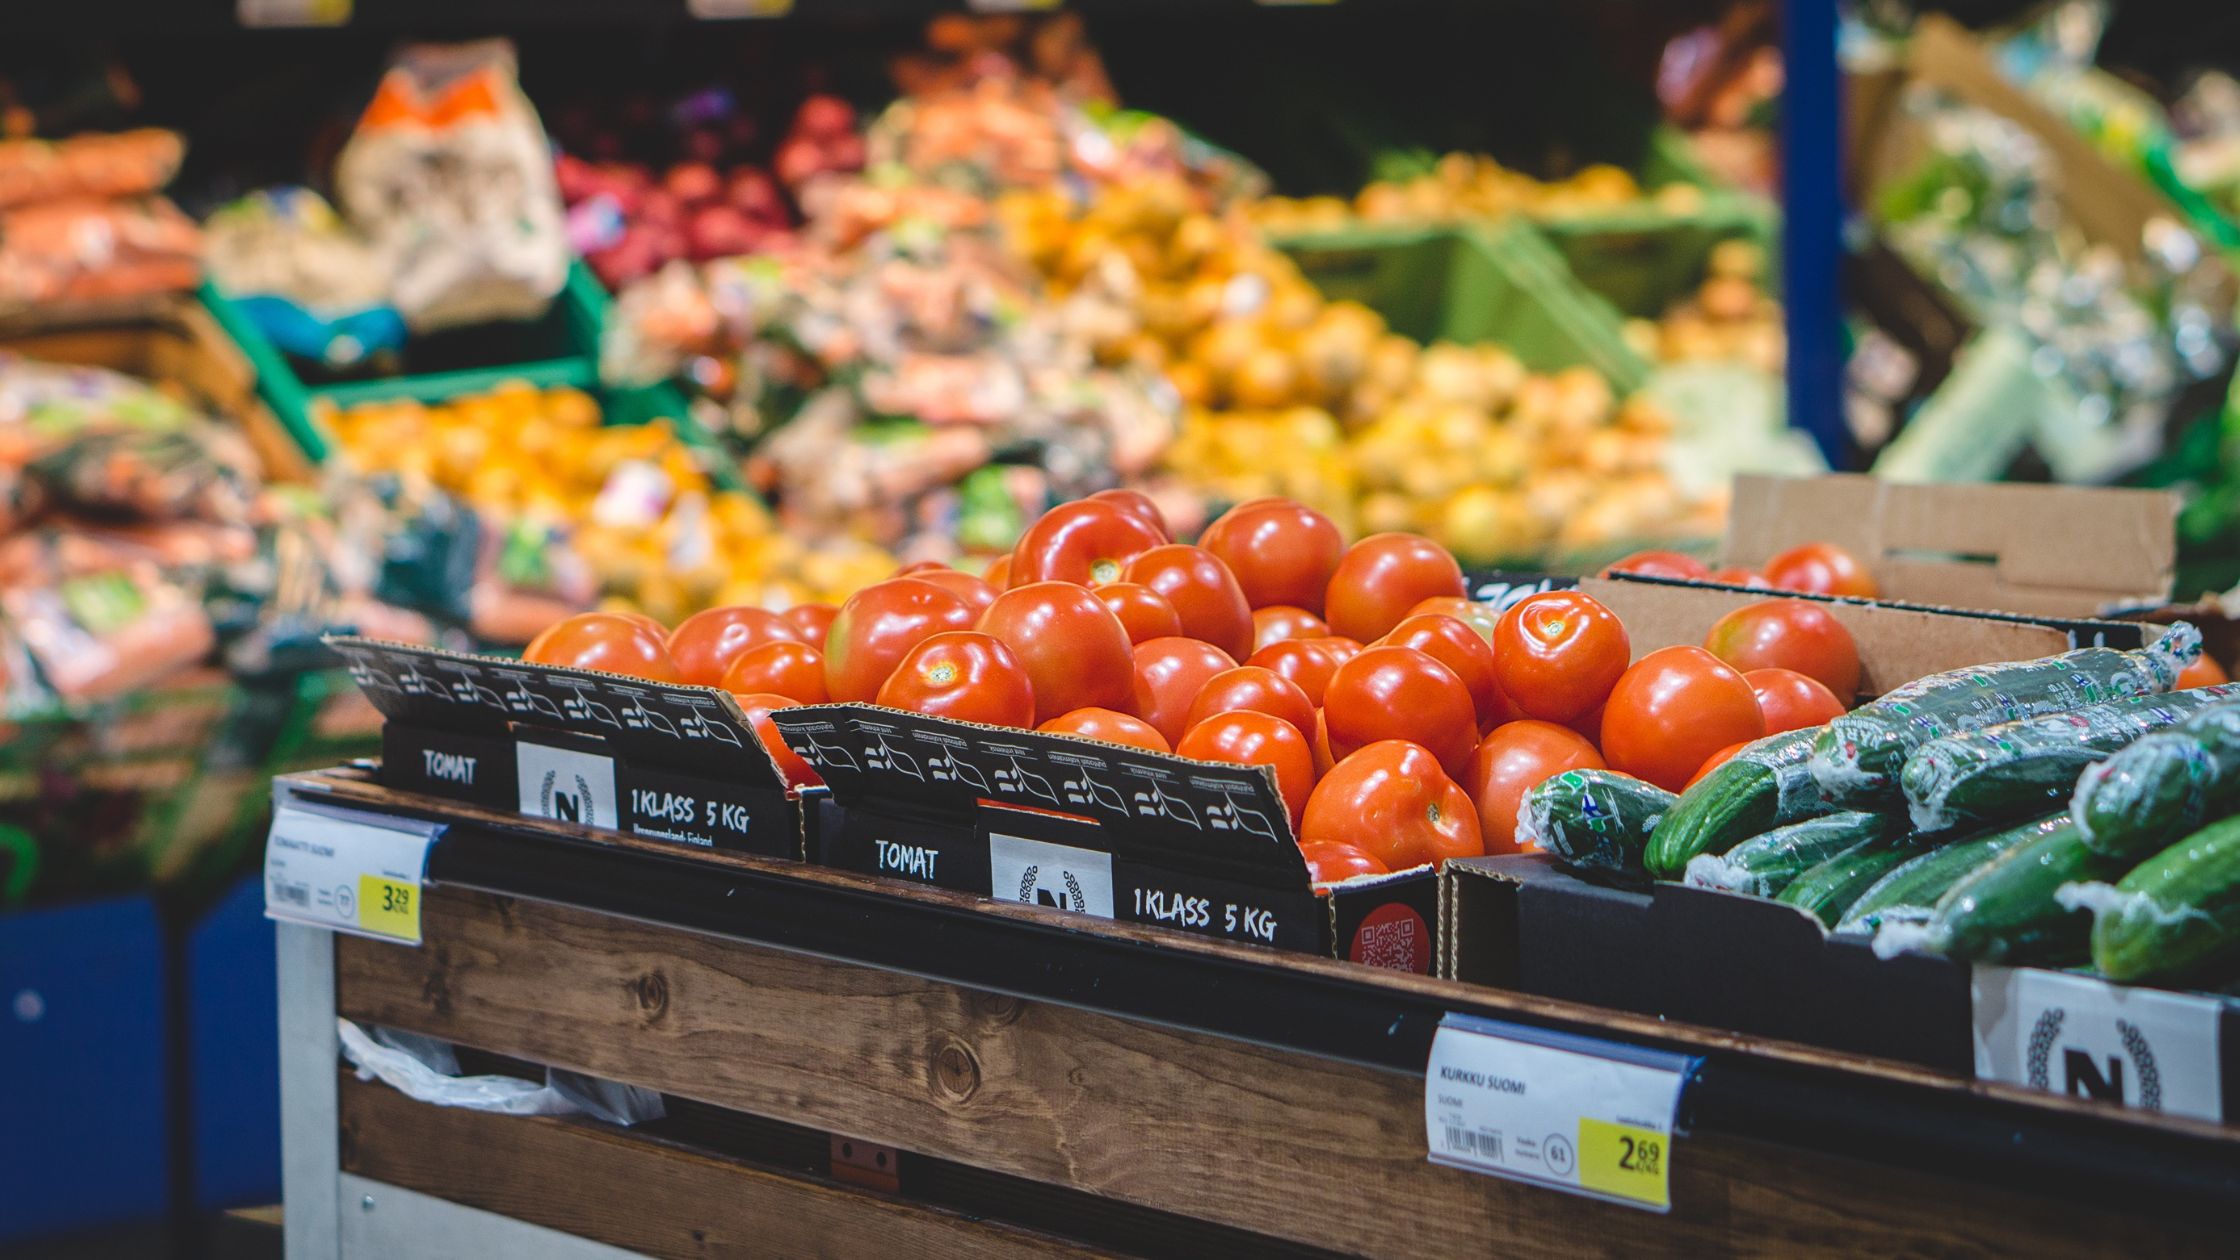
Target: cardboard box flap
(691,730)
(1197,813)
(2061,550)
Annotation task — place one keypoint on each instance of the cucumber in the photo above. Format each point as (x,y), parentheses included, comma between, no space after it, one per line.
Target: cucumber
(1909,894)
(1593,818)
(2176,916)
(1827,890)
(1764,865)
(1765,785)
(2018,768)
(2161,787)
(1857,756)
(2010,911)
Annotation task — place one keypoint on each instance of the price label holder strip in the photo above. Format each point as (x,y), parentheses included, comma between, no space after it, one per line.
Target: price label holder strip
(346,870)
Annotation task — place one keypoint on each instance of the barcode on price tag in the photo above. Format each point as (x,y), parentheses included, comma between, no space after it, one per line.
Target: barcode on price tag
(346,869)
(1591,1117)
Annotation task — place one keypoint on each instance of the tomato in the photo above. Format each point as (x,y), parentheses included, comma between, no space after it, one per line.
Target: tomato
(780,667)
(1738,576)
(878,625)
(1328,862)
(1323,760)
(1513,758)
(2204,672)
(962,674)
(1558,653)
(1084,541)
(1203,591)
(604,641)
(1109,725)
(919,566)
(813,621)
(1660,564)
(1383,576)
(1452,643)
(704,644)
(1401,693)
(1821,569)
(1675,707)
(1277,622)
(1144,613)
(1392,801)
(1073,650)
(1137,504)
(648,620)
(1588,725)
(1714,761)
(795,771)
(1796,634)
(1308,665)
(1248,738)
(975,592)
(1338,645)
(1282,551)
(1479,617)
(1168,674)
(1254,688)
(998,573)
(1790,700)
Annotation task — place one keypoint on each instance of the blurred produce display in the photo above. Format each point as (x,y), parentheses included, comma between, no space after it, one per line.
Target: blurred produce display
(82,219)
(1472,186)
(1729,318)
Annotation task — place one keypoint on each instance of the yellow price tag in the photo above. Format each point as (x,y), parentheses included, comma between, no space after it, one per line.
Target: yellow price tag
(1625,1162)
(389,907)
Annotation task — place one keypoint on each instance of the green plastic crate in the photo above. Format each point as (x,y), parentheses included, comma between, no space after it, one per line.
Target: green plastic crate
(1642,258)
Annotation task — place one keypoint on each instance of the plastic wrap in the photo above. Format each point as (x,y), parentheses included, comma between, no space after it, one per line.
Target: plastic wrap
(1764,865)
(426,1070)
(1597,819)
(2162,786)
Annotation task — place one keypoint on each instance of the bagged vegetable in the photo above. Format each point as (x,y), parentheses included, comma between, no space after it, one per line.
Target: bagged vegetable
(2162,786)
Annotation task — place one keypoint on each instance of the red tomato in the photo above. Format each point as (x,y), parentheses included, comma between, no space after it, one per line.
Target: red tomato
(1392,801)
(1144,613)
(1673,708)
(1168,674)
(1793,634)
(1791,701)
(704,644)
(878,625)
(1479,617)
(919,566)
(1323,760)
(1138,505)
(1738,576)
(1204,594)
(1328,862)
(1247,738)
(975,592)
(1307,664)
(794,670)
(795,771)
(1662,564)
(1277,622)
(813,621)
(1073,650)
(604,641)
(1110,726)
(1588,725)
(1255,688)
(998,574)
(962,674)
(1383,576)
(1452,643)
(1085,541)
(1391,693)
(2204,672)
(1515,757)
(1282,551)
(1338,645)
(1821,569)
(1714,761)
(1558,653)
(648,620)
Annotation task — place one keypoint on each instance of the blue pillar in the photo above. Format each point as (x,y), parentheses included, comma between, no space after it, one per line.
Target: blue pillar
(1812,223)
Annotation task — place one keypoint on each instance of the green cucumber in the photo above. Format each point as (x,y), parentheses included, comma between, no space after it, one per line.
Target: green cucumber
(1764,865)
(1827,890)
(1857,756)
(1909,894)
(1765,785)
(1594,818)
(2018,768)
(2010,910)
(2163,786)
(2176,916)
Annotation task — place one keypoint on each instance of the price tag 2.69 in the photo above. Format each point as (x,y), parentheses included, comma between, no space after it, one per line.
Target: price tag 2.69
(346,869)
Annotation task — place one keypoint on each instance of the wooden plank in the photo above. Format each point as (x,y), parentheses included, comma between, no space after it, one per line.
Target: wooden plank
(611,1186)
(1288,1145)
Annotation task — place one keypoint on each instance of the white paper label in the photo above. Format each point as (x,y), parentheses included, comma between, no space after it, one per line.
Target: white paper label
(1594,1118)
(347,870)
(2077,1035)
(1058,875)
(567,786)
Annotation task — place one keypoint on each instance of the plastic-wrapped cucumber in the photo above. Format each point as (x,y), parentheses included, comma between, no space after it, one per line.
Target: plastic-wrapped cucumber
(2009,911)
(1764,865)
(1765,785)
(2176,916)
(2018,768)
(1909,894)
(1596,818)
(1827,890)
(2161,787)
(1857,756)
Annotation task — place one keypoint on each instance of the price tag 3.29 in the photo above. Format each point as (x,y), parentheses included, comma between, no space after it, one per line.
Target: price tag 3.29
(1591,1117)
(346,869)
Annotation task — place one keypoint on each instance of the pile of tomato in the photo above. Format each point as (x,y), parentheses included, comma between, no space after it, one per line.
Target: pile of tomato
(1402,720)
